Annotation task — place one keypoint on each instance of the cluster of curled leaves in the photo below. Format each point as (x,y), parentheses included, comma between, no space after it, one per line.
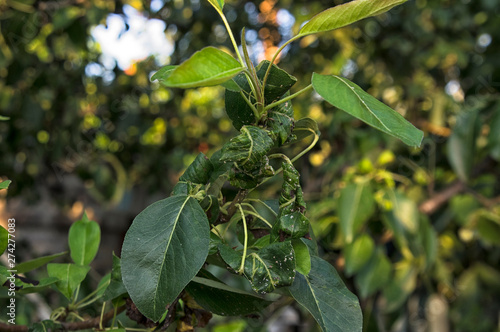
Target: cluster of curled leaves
(169,245)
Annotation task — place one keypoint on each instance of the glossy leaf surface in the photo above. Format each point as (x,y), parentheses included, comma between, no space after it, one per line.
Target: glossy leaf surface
(349,97)
(207,67)
(163,250)
(345,14)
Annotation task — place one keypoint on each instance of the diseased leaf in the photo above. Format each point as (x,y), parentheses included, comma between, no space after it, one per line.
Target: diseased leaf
(84,238)
(207,67)
(37,262)
(271,267)
(199,170)
(326,297)
(70,276)
(248,148)
(358,253)
(278,81)
(345,14)
(215,296)
(164,248)
(304,127)
(355,206)
(280,122)
(350,98)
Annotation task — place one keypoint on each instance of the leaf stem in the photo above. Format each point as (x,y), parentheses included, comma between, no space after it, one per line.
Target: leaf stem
(231,36)
(313,143)
(245,244)
(261,202)
(256,214)
(274,59)
(281,101)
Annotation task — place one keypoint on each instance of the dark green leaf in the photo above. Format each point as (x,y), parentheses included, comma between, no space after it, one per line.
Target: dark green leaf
(37,262)
(162,74)
(304,127)
(278,81)
(302,257)
(70,276)
(280,122)
(115,287)
(488,231)
(345,14)
(462,143)
(221,299)
(374,275)
(355,206)
(350,98)
(325,296)
(198,171)
(84,238)
(358,253)
(207,67)
(5,184)
(271,267)
(163,250)
(248,148)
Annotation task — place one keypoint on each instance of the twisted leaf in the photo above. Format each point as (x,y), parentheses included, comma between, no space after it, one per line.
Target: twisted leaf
(248,148)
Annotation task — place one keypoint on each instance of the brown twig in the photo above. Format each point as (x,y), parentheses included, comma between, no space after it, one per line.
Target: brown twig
(436,201)
(240,196)
(74,326)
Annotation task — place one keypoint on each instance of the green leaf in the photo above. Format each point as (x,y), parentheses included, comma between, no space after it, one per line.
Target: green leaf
(70,276)
(358,253)
(207,67)
(164,248)
(374,275)
(302,257)
(115,287)
(84,238)
(164,73)
(401,286)
(221,299)
(4,118)
(5,184)
(304,127)
(326,297)
(462,143)
(355,206)
(248,148)
(199,170)
(271,267)
(488,231)
(218,4)
(4,239)
(345,14)
(42,285)
(350,98)
(37,262)
(280,122)
(278,83)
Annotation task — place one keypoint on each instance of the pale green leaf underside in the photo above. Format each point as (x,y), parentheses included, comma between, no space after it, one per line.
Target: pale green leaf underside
(345,14)
(164,248)
(349,97)
(326,297)
(207,67)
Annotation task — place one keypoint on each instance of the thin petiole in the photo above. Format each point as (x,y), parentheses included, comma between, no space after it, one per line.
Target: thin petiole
(245,244)
(281,101)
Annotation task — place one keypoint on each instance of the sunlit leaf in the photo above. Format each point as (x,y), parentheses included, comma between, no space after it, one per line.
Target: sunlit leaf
(345,14)
(218,4)
(207,67)
(350,98)
(84,238)
(162,74)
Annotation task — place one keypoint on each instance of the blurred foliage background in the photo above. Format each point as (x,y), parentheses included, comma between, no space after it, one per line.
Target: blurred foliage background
(414,232)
